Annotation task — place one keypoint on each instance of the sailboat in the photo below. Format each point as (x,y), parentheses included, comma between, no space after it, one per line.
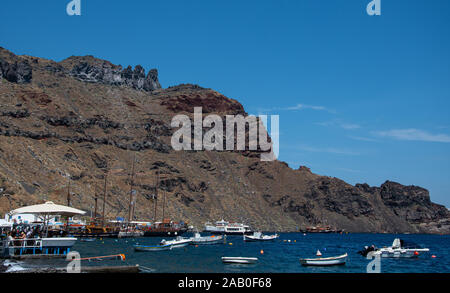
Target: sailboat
(98,228)
(166,227)
(129,230)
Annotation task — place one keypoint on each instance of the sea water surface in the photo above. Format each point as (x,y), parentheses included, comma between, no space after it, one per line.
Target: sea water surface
(279,256)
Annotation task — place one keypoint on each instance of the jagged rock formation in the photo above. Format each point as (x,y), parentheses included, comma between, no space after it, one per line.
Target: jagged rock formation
(89,69)
(18,72)
(85,117)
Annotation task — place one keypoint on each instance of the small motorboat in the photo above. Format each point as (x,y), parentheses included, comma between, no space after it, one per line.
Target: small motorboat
(206,240)
(258,236)
(87,239)
(324,261)
(177,242)
(144,248)
(239,260)
(399,249)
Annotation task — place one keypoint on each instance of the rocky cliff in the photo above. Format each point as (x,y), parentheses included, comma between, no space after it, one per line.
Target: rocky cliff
(85,118)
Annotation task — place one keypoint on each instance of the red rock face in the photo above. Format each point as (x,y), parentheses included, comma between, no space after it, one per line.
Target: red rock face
(211,102)
(58,124)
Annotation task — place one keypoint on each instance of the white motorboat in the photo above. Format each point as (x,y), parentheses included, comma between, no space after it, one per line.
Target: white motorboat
(324,261)
(258,236)
(399,249)
(144,248)
(177,242)
(239,259)
(205,240)
(224,227)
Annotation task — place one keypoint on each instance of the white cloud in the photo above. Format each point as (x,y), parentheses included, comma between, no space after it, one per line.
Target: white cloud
(361,138)
(414,135)
(350,126)
(296,108)
(330,150)
(310,107)
(338,123)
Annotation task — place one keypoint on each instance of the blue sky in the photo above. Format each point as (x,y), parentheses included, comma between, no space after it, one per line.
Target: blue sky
(363,98)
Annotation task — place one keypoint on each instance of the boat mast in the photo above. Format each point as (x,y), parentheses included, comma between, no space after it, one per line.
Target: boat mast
(95,206)
(131,191)
(104,202)
(164,204)
(68,202)
(68,193)
(156,194)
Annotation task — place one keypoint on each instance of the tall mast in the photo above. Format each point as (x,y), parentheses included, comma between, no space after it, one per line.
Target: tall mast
(164,204)
(131,190)
(95,207)
(68,193)
(104,202)
(68,202)
(156,194)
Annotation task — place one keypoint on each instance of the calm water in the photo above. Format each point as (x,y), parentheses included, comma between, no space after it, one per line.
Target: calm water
(279,257)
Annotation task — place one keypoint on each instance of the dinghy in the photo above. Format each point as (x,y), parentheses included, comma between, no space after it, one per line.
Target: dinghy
(143,248)
(205,240)
(324,261)
(399,249)
(239,259)
(258,236)
(177,242)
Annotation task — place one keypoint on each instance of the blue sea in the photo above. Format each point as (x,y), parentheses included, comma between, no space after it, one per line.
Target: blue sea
(280,256)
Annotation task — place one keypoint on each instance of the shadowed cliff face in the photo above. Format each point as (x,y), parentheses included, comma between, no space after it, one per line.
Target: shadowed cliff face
(83,117)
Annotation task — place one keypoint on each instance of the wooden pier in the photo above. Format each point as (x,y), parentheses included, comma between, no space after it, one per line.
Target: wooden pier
(86,269)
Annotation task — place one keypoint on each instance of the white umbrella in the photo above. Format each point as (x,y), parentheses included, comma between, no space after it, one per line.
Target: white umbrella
(48,208)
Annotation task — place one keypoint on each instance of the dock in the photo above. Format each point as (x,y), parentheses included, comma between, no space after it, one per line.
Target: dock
(85,269)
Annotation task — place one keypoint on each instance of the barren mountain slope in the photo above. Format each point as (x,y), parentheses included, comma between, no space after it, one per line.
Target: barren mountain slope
(84,117)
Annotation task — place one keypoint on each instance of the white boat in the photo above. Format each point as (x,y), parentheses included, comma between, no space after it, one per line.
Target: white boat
(10,247)
(144,248)
(205,240)
(399,249)
(224,227)
(177,242)
(258,236)
(324,261)
(239,259)
(41,246)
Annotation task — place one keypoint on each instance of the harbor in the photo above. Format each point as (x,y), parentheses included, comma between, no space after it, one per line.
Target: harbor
(278,256)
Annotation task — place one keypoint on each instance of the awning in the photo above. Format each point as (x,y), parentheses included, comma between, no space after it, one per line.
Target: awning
(48,208)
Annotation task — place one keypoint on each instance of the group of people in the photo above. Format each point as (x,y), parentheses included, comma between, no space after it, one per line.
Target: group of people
(23,232)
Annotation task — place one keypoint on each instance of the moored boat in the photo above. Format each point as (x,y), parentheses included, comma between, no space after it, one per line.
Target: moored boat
(399,249)
(239,260)
(144,248)
(130,233)
(20,248)
(36,243)
(177,242)
(165,228)
(205,240)
(224,227)
(320,229)
(324,261)
(258,236)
